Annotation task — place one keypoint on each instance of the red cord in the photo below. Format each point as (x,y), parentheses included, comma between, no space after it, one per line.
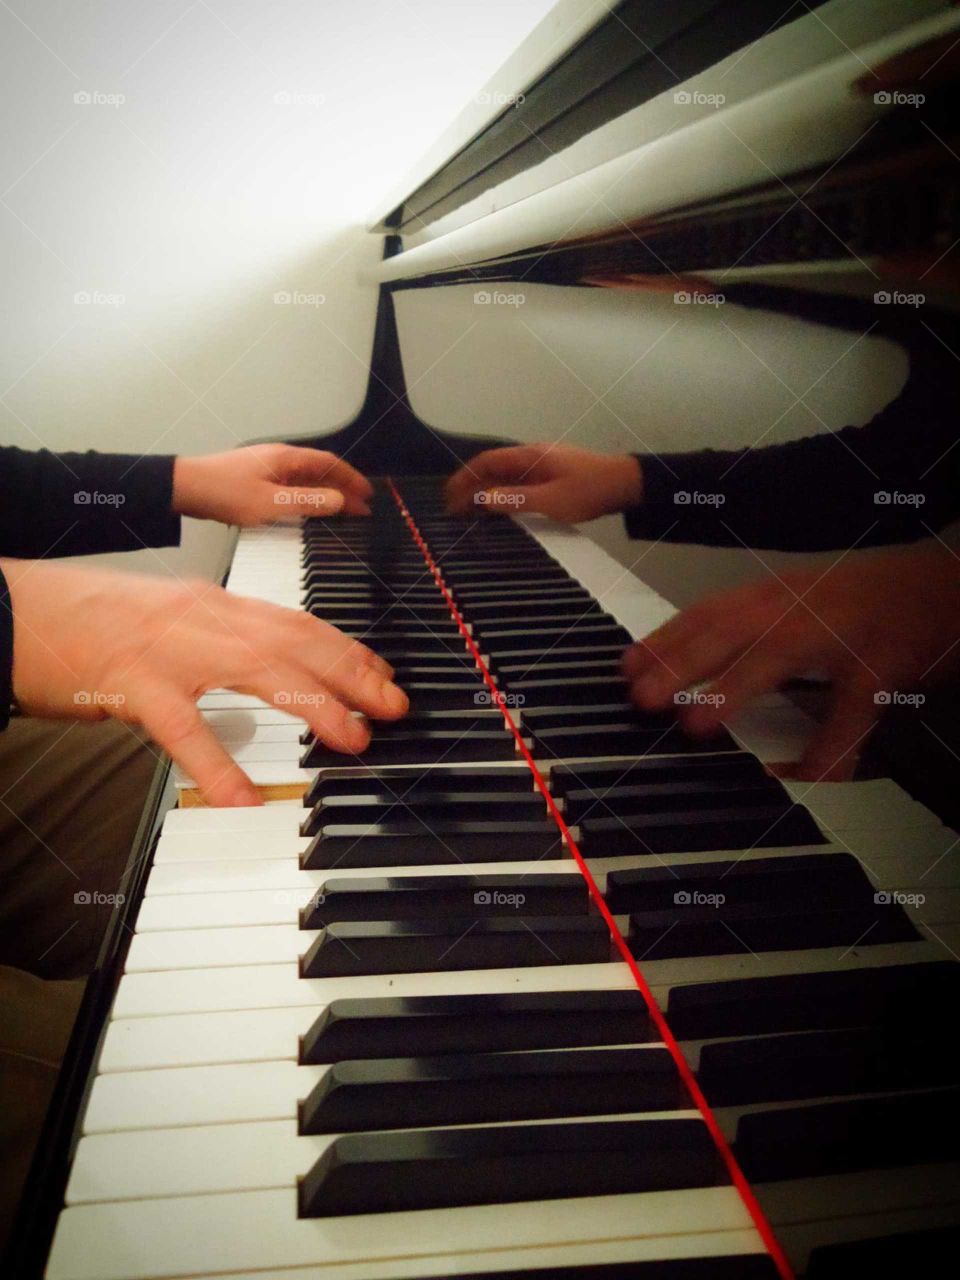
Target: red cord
(737,1175)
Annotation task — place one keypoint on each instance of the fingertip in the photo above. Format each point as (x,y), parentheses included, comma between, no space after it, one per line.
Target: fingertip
(394,699)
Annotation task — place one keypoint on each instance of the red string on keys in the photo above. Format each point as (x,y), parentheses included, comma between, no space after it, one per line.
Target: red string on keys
(737,1176)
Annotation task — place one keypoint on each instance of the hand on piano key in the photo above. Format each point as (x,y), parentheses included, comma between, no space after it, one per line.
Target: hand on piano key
(557,480)
(92,644)
(877,628)
(266,484)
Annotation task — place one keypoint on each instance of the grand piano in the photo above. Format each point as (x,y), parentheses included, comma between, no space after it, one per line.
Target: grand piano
(539,987)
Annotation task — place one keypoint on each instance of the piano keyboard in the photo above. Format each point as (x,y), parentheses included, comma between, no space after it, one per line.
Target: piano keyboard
(384,1029)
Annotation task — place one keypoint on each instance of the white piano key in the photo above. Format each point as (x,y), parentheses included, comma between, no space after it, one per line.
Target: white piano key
(258,1230)
(196,948)
(222,1094)
(233,846)
(262,1035)
(212,1158)
(279,985)
(285,815)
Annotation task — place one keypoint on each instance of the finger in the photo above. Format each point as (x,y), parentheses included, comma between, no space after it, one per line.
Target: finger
(506,465)
(318,467)
(297,691)
(288,504)
(834,750)
(351,671)
(759,671)
(176,725)
(554,498)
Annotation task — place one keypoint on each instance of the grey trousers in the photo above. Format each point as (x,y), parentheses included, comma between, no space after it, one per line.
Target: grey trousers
(71,796)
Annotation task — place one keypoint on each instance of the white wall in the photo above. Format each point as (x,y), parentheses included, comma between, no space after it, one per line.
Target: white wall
(197,197)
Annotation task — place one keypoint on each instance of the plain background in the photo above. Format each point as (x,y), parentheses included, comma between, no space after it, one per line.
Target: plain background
(251,143)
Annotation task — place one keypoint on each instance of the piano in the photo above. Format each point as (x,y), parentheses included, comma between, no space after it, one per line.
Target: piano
(537,986)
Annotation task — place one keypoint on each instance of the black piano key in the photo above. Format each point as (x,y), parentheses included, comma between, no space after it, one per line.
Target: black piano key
(762,826)
(557,639)
(452,944)
(569,690)
(840,1137)
(456,657)
(599,776)
(404,783)
(908,1253)
(392,614)
(440,695)
(812,1064)
(376,636)
(546,667)
(796,1002)
(554,603)
(554,617)
(413,842)
(533,572)
(762,926)
(576,648)
(557,715)
(420,746)
(496,595)
(428,807)
(836,879)
(427,897)
(425,1025)
(666,797)
(406,1093)
(424,1169)
(626,738)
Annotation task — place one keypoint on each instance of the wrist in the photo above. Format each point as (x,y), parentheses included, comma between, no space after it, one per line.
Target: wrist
(186,497)
(627,489)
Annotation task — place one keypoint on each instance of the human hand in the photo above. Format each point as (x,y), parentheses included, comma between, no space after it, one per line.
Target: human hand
(558,480)
(878,626)
(89,643)
(267,483)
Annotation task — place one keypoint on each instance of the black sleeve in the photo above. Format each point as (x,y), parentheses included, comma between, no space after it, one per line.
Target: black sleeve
(75,504)
(894,480)
(6,653)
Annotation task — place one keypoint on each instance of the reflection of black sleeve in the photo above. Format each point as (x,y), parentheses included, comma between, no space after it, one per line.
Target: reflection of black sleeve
(896,479)
(6,654)
(75,504)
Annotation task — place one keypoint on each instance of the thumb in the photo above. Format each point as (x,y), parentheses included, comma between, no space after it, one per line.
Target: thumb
(291,503)
(176,725)
(834,750)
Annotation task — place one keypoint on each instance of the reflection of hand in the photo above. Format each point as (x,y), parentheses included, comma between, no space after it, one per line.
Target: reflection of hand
(265,483)
(557,480)
(88,644)
(877,625)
